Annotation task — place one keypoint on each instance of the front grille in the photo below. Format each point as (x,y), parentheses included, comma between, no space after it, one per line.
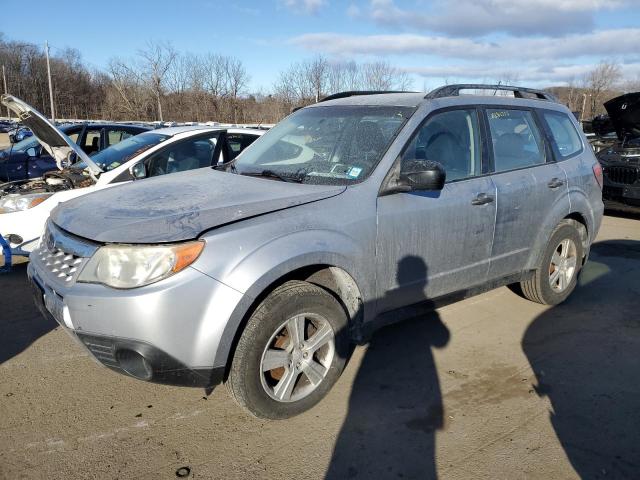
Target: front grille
(62,255)
(62,265)
(622,175)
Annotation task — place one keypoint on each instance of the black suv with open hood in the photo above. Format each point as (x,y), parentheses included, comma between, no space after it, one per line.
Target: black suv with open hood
(621,161)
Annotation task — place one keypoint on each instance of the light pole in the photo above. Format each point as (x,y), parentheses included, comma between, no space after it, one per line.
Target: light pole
(4,81)
(46,50)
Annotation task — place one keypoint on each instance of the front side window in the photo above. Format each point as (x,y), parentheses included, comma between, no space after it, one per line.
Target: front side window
(516,139)
(336,145)
(181,156)
(452,139)
(563,132)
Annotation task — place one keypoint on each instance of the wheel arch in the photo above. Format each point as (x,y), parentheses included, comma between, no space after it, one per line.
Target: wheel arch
(331,276)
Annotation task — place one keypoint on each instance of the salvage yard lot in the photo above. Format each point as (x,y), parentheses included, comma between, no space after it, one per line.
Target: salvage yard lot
(491,387)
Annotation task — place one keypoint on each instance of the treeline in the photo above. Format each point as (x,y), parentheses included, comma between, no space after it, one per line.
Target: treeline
(160,83)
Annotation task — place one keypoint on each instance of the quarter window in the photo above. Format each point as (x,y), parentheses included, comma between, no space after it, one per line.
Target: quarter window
(452,139)
(563,132)
(116,136)
(516,139)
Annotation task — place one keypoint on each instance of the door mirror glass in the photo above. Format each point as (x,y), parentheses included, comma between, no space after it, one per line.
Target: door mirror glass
(423,175)
(32,152)
(138,171)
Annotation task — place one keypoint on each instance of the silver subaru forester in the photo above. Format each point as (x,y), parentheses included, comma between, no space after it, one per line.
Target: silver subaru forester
(357,211)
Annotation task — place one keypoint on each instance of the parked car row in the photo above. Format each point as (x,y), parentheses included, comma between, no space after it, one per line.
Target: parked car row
(260,269)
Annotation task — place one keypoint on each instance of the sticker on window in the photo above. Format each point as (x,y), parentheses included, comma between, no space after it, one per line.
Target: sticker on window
(354,172)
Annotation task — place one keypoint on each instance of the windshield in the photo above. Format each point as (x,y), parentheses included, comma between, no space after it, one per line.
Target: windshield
(121,152)
(324,145)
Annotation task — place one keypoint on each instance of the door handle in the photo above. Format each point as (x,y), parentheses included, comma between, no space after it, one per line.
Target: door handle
(482,199)
(555,183)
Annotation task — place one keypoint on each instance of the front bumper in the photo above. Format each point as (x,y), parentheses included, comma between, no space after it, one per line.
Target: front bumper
(167,332)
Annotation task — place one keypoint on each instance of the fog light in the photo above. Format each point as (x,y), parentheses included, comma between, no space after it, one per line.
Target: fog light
(134,364)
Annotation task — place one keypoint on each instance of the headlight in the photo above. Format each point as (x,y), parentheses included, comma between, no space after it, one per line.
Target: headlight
(16,203)
(130,266)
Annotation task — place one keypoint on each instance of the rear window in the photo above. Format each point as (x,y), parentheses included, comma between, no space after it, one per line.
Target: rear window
(563,132)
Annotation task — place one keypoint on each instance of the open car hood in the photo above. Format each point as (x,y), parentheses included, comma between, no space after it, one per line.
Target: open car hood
(624,112)
(179,206)
(54,141)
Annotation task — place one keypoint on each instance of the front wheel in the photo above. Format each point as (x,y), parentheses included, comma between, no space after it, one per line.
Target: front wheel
(291,352)
(557,273)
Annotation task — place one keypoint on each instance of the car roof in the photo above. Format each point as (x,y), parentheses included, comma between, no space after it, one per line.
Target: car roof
(67,126)
(415,99)
(172,131)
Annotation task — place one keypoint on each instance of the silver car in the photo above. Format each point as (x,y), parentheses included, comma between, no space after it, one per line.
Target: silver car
(357,211)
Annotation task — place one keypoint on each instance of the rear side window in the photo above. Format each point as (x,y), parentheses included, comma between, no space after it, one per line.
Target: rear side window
(516,139)
(563,132)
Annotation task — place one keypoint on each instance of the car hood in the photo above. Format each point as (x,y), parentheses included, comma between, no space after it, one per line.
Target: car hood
(624,112)
(179,206)
(52,139)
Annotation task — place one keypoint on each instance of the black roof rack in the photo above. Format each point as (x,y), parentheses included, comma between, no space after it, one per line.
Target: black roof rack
(454,91)
(354,93)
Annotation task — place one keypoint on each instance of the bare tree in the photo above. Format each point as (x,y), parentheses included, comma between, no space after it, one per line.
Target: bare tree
(237,80)
(599,81)
(157,59)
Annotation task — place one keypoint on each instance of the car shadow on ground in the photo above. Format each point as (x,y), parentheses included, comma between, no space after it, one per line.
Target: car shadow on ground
(586,357)
(21,323)
(395,406)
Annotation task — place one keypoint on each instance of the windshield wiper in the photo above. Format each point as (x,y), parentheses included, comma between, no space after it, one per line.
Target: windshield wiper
(298,178)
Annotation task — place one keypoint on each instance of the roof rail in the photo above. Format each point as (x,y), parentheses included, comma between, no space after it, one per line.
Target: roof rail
(353,93)
(454,91)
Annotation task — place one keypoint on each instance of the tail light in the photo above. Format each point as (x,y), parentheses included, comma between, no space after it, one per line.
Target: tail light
(597,172)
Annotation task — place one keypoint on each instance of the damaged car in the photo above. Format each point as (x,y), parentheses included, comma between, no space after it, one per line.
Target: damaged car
(354,212)
(621,161)
(28,159)
(25,205)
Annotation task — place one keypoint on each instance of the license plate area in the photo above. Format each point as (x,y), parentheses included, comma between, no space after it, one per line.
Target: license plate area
(48,300)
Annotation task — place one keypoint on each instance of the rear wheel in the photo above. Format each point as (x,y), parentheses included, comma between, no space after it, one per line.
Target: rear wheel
(557,273)
(291,352)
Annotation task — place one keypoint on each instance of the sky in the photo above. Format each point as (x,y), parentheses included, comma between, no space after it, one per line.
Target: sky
(532,42)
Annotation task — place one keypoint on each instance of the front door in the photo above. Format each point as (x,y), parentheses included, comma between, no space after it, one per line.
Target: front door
(431,243)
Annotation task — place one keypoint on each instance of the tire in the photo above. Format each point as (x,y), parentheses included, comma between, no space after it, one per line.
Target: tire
(291,308)
(541,287)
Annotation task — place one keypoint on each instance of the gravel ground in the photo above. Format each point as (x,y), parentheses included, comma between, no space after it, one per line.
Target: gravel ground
(491,387)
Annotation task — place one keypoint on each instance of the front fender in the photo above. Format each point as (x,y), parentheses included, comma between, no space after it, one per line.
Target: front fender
(256,272)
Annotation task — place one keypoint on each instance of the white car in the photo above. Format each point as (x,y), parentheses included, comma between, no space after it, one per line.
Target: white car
(25,205)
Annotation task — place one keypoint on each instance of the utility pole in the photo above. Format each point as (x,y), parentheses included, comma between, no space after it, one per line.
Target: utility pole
(4,81)
(46,50)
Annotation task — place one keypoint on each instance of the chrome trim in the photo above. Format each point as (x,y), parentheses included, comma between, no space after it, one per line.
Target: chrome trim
(57,239)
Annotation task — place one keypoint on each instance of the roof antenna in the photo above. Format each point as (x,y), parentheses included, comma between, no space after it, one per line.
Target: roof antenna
(496,90)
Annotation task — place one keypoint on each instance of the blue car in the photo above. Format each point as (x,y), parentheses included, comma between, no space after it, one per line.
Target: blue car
(27,159)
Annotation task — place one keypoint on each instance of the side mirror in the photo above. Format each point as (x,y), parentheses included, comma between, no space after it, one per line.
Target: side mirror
(32,152)
(138,171)
(423,175)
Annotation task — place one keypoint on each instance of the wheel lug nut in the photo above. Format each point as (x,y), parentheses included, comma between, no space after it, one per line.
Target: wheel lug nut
(301,346)
(298,365)
(305,355)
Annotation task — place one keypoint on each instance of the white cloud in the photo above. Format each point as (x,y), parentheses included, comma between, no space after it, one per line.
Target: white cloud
(353,11)
(604,43)
(304,6)
(471,18)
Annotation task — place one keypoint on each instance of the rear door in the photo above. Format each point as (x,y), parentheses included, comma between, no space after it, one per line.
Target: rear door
(431,243)
(528,182)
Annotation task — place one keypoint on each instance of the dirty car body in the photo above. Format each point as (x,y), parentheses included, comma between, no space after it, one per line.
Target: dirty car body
(621,161)
(341,209)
